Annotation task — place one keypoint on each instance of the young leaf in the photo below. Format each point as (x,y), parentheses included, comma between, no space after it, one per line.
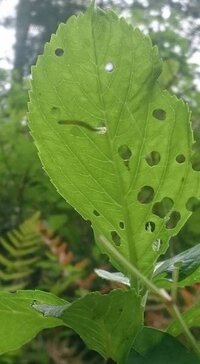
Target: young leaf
(107,323)
(188,265)
(114,277)
(115,145)
(191,318)
(155,347)
(19,322)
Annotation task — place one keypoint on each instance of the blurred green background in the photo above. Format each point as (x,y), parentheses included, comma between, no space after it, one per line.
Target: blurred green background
(44,243)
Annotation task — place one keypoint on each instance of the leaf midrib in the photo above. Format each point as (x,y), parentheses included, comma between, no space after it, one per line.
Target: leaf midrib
(128,227)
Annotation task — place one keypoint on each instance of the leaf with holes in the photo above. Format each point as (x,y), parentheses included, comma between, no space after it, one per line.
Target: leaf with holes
(187,265)
(19,321)
(103,321)
(116,146)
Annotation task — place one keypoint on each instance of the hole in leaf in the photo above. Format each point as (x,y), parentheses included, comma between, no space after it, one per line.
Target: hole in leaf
(109,67)
(116,238)
(110,361)
(153,158)
(59,52)
(163,207)
(55,111)
(173,220)
(192,204)
(159,114)
(124,152)
(156,245)
(146,194)
(104,258)
(96,213)
(195,162)
(178,264)
(180,158)
(150,226)
(121,224)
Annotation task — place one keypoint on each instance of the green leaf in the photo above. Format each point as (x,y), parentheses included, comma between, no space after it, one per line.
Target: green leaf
(169,72)
(155,347)
(107,323)
(188,265)
(191,318)
(19,321)
(115,145)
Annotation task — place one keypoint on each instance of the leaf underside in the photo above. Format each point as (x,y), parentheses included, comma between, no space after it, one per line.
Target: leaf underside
(188,265)
(115,145)
(117,277)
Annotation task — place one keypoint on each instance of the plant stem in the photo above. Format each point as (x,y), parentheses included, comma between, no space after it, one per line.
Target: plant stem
(134,272)
(177,315)
(174,289)
(161,293)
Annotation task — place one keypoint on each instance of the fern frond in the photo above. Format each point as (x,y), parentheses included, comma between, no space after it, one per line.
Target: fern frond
(20,251)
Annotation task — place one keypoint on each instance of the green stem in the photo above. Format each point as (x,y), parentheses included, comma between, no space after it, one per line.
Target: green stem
(134,272)
(161,293)
(174,289)
(177,315)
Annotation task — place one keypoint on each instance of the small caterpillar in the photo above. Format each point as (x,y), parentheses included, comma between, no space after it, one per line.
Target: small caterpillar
(99,129)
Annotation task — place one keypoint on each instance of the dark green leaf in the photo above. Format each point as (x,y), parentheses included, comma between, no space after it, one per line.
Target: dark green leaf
(156,347)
